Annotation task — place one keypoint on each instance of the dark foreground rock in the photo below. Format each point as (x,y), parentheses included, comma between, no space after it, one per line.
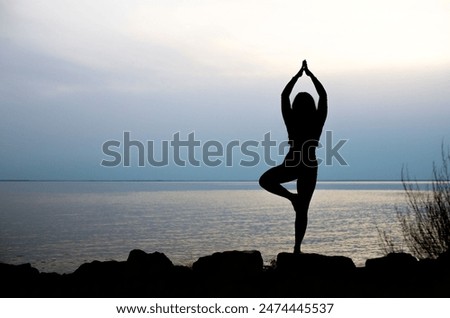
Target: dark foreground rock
(230,263)
(236,274)
(314,264)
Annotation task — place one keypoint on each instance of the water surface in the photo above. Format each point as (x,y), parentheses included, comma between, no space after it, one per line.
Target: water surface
(56,226)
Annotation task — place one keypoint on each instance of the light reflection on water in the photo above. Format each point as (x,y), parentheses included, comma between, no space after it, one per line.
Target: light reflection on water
(58,226)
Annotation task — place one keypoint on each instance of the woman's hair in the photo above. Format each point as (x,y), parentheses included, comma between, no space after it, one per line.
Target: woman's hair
(304,105)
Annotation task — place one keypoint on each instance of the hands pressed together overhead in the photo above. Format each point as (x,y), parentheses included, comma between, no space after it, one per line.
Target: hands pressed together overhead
(305,69)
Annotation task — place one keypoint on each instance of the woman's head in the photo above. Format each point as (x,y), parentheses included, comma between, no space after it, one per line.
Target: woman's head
(304,105)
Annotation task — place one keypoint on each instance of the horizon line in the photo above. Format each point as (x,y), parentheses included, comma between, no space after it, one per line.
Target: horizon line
(206,180)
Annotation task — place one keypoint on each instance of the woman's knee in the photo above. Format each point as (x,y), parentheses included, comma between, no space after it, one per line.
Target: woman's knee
(268,178)
(264,180)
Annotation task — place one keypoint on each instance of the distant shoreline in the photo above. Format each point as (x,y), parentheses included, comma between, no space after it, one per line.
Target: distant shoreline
(205,185)
(205,181)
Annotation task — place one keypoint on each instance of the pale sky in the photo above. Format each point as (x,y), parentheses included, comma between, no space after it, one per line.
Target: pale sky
(75,74)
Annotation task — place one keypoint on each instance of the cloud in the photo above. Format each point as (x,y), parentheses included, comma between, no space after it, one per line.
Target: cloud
(84,71)
(159,42)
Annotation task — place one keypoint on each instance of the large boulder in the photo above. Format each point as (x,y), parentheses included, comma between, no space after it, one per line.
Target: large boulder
(142,274)
(392,262)
(314,275)
(156,262)
(230,263)
(314,264)
(98,269)
(444,259)
(17,280)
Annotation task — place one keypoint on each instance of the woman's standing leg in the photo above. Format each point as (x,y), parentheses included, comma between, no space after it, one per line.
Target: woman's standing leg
(306,185)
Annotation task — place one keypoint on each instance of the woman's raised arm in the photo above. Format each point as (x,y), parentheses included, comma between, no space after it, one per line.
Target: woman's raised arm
(285,101)
(322,105)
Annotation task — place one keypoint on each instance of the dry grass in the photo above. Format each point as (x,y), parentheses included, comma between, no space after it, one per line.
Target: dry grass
(425,222)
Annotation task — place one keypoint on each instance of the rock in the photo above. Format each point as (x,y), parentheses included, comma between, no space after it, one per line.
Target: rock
(444,258)
(149,262)
(141,274)
(314,264)
(392,262)
(234,263)
(97,269)
(15,271)
(17,280)
(397,275)
(235,274)
(314,275)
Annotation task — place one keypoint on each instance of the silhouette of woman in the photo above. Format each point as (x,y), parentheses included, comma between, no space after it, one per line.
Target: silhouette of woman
(304,125)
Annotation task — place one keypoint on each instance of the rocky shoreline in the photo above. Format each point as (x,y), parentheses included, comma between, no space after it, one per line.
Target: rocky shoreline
(236,274)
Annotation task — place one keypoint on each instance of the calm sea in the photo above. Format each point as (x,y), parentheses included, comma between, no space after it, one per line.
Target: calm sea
(57,226)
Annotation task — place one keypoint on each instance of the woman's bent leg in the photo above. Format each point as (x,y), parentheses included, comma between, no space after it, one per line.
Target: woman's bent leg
(272,179)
